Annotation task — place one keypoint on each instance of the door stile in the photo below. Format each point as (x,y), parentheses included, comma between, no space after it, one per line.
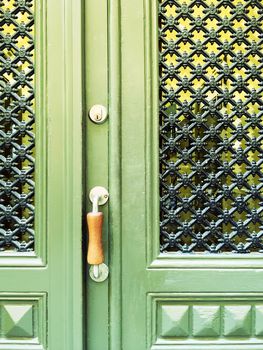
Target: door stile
(65,110)
(96,153)
(74,100)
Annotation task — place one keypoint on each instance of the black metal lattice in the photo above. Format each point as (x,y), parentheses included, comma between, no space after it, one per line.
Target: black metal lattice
(17,124)
(211,126)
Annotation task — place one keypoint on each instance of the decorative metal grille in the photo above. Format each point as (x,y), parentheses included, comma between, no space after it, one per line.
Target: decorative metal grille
(211,127)
(17,125)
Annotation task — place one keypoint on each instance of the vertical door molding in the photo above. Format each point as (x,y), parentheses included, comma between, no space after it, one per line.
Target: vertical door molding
(115,174)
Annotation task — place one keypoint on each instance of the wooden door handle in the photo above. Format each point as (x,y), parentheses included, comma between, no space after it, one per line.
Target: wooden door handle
(95,254)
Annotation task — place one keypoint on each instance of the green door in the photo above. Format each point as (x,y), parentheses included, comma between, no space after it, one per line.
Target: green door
(181,155)
(40,189)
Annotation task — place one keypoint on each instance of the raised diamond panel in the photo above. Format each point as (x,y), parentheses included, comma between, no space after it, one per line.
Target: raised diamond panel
(17,321)
(196,319)
(175,319)
(206,321)
(17,125)
(23,321)
(211,154)
(237,320)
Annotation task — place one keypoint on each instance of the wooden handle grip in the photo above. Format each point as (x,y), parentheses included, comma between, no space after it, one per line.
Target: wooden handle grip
(95,249)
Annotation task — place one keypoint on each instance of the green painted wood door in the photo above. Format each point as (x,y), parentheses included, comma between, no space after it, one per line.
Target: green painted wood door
(182,80)
(40,189)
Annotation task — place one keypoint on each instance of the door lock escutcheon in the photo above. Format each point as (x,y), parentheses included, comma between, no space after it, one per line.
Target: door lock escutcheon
(95,256)
(98,114)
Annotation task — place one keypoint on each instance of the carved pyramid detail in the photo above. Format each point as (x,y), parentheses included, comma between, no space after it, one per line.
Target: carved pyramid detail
(175,320)
(17,321)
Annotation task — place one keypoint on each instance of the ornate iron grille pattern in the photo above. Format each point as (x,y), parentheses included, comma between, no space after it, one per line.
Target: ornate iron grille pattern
(211,125)
(17,139)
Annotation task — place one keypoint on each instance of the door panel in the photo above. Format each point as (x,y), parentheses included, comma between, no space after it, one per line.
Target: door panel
(175,282)
(173,300)
(40,258)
